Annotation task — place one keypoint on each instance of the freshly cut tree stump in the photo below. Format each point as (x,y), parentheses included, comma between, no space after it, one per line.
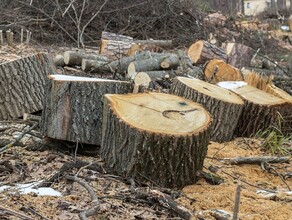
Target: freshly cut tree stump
(218,71)
(22,83)
(261,110)
(155,136)
(225,106)
(73,107)
(239,55)
(202,51)
(74,58)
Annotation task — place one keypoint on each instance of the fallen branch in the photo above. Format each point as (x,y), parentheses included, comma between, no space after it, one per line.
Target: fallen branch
(256,160)
(94,199)
(236,202)
(17,214)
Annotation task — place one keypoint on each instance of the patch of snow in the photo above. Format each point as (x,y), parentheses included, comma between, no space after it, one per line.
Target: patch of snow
(232,84)
(28,188)
(79,78)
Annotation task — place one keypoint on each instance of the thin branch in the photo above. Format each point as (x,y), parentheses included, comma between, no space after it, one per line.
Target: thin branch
(17,214)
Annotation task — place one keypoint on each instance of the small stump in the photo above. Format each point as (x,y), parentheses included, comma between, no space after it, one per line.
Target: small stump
(155,137)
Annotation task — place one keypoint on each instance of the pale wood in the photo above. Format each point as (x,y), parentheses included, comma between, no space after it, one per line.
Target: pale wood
(22,85)
(114,49)
(28,36)
(202,51)
(74,58)
(224,106)
(155,136)
(1,38)
(144,78)
(239,55)
(59,60)
(9,36)
(73,107)
(218,71)
(21,35)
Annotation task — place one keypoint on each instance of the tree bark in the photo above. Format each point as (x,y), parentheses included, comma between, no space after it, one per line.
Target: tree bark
(74,58)
(59,61)
(95,66)
(73,107)
(114,49)
(135,48)
(153,136)
(115,37)
(239,55)
(225,107)
(144,78)
(260,110)
(202,51)
(22,83)
(218,71)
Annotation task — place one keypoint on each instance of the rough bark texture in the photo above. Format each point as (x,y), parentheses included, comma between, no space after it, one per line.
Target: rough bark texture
(225,114)
(202,51)
(164,159)
(114,49)
(239,55)
(22,85)
(116,37)
(59,61)
(95,66)
(218,71)
(260,111)
(73,109)
(135,48)
(144,78)
(74,58)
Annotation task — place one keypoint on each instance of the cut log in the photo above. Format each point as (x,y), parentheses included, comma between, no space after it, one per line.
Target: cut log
(144,78)
(159,43)
(59,61)
(95,66)
(261,110)
(218,71)
(114,49)
(74,58)
(155,136)
(239,55)
(224,106)
(73,107)
(164,61)
(22,83)
(144,47)
(115,37)
(202,51)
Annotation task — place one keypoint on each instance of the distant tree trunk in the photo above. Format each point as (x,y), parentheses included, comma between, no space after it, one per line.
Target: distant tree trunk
(273,4)
(281,4)
(290,5)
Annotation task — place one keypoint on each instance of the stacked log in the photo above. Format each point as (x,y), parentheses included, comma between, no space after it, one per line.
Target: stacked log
(22,83)
(155,136)
(73,107)
(74,58)
(225,106)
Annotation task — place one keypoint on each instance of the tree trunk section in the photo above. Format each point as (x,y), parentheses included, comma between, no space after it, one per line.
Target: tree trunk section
(115,37)
(156,137)
(202,51)
(239,55)
(22,83)
(260,110)
(218,71)
(114,49)
(135,48)
(73,107)
(224,106)
(144,78)
(74,58)
(95,66)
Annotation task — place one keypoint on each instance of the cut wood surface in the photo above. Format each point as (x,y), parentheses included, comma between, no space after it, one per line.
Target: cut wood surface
(224,106)
(114,49)
(73,107)
(218,71)
(155,136)
(74,58)
(239,55)
(59,61)
(144,78)
(22,83)
(261,110)
(202,51)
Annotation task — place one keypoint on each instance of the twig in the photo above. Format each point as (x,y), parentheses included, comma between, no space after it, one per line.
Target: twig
(3,149)
(236,203)
(94,199)
(256,160)
(17,214)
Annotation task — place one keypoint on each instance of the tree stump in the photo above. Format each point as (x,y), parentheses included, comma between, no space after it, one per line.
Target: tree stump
(218,71)
(225,106)
(22,83)
(239,55)
(261,110)
(73,107)
(202,51)
(154,136)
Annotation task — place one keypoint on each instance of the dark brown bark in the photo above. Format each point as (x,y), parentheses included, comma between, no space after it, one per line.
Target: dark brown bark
(73,108)
(225,107)
(22,85)
(159,151)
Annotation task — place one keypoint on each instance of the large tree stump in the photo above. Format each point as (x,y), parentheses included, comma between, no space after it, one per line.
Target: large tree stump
(22,83)
(239,55)
(203,51)
(155,136)
(261,110)
(218,71)
(224,106)
(73,107)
